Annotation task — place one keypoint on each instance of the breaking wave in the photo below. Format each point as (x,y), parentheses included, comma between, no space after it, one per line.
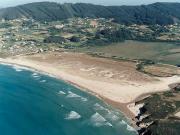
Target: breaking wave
(43,81)
(74,95)
(130,128)
(99,107)
(73,116)
(123,122)
(98,120)
(35,75)
(61,92)
(112,116)
(17,68)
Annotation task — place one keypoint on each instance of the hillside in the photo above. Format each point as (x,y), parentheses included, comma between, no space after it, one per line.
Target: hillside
(157,13)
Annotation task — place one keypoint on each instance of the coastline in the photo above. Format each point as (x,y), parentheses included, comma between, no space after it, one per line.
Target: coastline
(91,87)
(122,107)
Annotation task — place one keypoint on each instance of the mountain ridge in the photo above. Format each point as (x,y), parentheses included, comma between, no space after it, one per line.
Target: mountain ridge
(157,13)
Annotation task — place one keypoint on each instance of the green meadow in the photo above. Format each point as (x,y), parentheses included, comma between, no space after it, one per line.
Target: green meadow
(164,52)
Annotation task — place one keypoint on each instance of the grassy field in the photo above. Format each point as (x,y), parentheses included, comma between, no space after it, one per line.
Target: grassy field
(157,51)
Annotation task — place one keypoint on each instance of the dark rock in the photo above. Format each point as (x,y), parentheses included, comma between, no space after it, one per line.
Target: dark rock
(141,131)
(148,132)
(142,110)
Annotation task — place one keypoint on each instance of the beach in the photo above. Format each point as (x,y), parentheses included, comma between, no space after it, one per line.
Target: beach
(116,82)
(46,105)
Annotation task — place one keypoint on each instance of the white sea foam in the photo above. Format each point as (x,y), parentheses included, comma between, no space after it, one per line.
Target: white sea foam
(123,122)
(98,107)
(112,116)
(43,81)
(109,124)
(35,75)
(98,120)
(61,92)
(130,128)
(84,99)
(28,68)
(73,116)
(17,68)
(74,95)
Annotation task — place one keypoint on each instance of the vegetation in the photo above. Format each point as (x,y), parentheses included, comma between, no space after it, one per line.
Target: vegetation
(100,31)
(142,63)
(158,13)
(54,39)
(160,109)
(114,35)
(75,39)
(27,35)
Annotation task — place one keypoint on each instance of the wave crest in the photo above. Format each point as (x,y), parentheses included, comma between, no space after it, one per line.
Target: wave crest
(74,95)
(98,120)
(43,81)
(35,75)
(112,116)
(17,68)
(73,116)
(61,92)
(130,128)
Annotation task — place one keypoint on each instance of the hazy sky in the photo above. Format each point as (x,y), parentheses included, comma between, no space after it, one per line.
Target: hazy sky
(7,3)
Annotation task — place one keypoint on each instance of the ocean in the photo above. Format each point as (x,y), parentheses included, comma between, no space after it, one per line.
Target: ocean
(32,103)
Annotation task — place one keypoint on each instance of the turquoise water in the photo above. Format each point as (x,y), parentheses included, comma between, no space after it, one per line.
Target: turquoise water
(35,104)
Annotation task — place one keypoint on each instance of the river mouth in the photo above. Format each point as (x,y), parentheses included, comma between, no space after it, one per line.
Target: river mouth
(33,103)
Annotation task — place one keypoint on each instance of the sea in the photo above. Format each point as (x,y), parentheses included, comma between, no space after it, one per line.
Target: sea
(33,103)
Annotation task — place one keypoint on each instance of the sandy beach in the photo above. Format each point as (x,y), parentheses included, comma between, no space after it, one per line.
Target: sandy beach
(117,82)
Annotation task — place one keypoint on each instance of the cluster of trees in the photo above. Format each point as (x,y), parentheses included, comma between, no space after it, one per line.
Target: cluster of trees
(125,34)
(55,39)
(114,35)
(121,34)
(158,13)
(75,39)
(60,40)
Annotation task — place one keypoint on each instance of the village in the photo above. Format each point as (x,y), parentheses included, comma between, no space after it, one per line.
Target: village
(26,36)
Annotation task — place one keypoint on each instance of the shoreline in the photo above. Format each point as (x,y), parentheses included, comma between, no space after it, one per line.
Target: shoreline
(123,107)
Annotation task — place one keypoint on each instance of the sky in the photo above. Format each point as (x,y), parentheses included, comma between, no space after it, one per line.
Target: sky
(8,3)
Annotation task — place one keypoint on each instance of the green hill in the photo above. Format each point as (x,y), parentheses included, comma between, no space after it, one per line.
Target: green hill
(157,13)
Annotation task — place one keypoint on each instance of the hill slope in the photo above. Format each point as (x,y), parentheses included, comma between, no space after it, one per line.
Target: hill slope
(158,13)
